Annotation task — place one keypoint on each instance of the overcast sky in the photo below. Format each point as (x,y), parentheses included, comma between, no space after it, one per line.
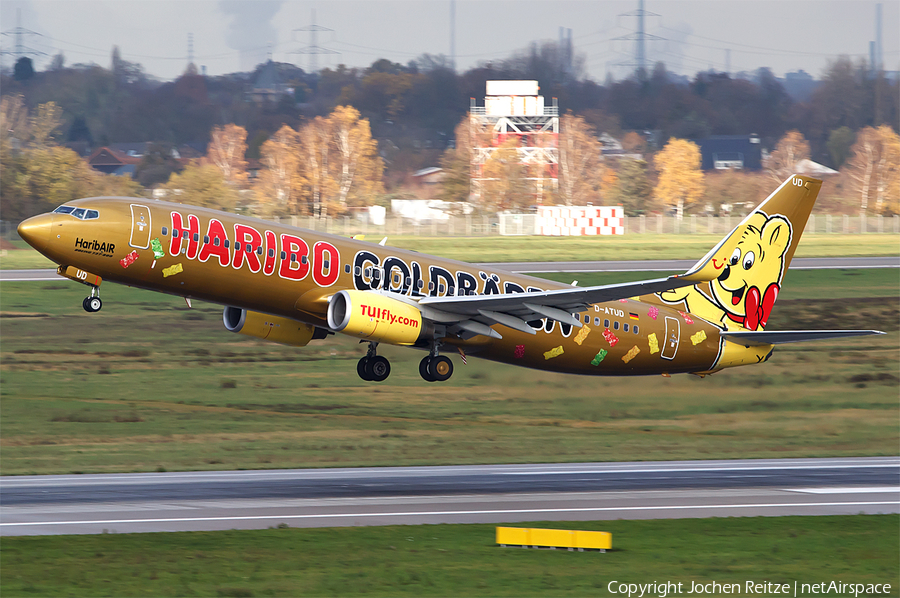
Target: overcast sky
(235,35)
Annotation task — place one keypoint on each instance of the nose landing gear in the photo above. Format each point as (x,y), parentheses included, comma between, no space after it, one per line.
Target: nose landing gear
(92,304)
(372,367)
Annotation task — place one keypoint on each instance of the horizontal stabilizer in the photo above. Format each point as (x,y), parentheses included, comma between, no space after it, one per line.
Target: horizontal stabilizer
(750,338)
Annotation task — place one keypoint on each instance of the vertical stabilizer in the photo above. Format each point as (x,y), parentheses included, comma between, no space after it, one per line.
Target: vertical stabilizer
(745,269)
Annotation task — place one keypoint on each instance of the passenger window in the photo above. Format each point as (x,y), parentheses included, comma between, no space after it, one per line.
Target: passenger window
(347,268)
(226,243)
(205,238)
(271,253)
(430,286)
(165,231)
(185,234)
(420,283)
(216,241)
(408,281)
(249,248)
(175,232)
(327,263)
(304,259)
(596,321)
(441,288)
(79,213)
(606,323)
(293,257)
(625,327)
(616,325)
(634,328)
(259,250)
(283,255)
(357,271)
(587,319)
(368,272)
(237,246)
(196,237)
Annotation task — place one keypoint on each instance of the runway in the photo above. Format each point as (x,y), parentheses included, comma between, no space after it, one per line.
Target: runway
(595,266)
(83,504)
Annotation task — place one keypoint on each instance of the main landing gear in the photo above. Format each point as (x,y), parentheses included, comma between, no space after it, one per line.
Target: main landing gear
(372,367)
(434,367)
(92,304)
(375,368)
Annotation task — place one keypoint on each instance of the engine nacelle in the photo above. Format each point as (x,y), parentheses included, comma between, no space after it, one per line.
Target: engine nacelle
(375,317)
(269,328)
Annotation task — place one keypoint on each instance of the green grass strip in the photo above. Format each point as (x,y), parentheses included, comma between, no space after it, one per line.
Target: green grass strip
(454,560)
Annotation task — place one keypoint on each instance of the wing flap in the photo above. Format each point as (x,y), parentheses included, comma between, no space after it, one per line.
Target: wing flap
(750,338)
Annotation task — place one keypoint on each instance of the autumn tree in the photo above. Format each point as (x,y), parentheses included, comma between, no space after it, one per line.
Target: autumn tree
(227,148)
(504,185)
(782,162)
(201,185)
(457,162)
(357,167)
(279,187)
(327,166)
(875,167)
(580,167)
(36,175)
(315,149)
(887,174)
(680,178)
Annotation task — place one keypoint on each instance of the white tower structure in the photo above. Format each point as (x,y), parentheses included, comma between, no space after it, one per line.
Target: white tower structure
(515,109)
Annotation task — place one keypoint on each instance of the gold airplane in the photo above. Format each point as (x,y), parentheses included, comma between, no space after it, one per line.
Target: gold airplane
(291,286)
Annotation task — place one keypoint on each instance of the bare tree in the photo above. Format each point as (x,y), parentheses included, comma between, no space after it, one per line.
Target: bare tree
(581,170)
(226,149)
(791,149)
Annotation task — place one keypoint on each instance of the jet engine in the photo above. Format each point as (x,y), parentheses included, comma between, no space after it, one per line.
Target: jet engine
(375,317)
(270,328)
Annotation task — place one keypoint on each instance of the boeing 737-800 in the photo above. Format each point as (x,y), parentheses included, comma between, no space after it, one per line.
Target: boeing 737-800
(292,286)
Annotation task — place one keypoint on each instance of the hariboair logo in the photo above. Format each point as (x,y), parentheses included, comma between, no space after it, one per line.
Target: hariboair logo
(94,247)
(743,294)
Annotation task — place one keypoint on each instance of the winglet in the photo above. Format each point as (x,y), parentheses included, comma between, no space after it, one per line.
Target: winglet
(793,199)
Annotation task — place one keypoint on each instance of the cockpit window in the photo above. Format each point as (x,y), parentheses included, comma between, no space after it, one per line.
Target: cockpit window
(80,213)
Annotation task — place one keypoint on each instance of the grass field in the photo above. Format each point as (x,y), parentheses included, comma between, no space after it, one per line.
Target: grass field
(543,249)
(149,385)
(454,560)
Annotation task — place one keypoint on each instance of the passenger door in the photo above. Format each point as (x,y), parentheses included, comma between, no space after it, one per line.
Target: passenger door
(140,226)
(673,334)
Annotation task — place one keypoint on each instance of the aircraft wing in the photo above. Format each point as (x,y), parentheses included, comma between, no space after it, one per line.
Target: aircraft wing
(516,309)
(750,338)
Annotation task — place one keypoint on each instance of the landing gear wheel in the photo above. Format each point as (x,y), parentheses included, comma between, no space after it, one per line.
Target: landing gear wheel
(92,304)
(440,368)
(423,369)
(378,368)
(361,369)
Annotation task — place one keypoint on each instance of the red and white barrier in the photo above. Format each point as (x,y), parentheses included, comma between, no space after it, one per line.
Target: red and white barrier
(581,220)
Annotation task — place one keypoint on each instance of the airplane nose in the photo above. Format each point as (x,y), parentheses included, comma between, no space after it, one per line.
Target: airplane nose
(36,230)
